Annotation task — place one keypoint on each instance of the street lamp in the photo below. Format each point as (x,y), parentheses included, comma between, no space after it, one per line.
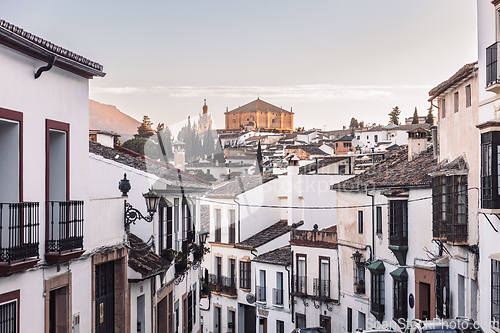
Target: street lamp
(131,213)
(203,237)
(356,257)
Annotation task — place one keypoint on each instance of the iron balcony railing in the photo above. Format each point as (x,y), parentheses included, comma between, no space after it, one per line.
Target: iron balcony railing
(261,293)
(376,307)
(19,231)
(222,283)
(277,296)
(491,64)
(321,288)
(299,285)
(65,226)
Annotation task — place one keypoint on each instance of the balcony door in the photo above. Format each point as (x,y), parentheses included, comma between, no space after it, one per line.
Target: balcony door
(104,298)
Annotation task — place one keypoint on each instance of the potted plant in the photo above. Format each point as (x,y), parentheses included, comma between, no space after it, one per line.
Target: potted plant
(180,262)
(169,254)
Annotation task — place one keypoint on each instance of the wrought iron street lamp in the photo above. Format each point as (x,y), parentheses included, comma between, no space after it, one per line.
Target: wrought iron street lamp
(203,237)
(356,257)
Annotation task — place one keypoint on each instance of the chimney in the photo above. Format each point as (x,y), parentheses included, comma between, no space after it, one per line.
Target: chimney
(179,159)
(417,142)
(293,190)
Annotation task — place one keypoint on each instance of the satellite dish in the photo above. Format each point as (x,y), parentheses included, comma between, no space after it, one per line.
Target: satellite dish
(250,298)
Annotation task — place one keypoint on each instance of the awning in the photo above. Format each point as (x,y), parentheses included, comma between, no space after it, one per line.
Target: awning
(376,267)
(400,274)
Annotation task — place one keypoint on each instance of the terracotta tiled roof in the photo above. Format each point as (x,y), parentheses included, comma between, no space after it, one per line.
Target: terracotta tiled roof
(142,260)
(322,163)
(268,234)
(259,105)
(394,171)
(457,166)
(281,256)
(28,40)
(159,169)
(462,73)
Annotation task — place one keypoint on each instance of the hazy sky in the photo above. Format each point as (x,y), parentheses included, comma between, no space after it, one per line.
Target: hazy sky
(329,60)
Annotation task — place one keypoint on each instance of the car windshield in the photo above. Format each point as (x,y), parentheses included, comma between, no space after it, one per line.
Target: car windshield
(442,331)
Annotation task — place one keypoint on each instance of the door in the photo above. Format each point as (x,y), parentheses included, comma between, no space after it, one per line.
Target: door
(217,320)
(424,300)
(324,322)
(58,310)
(250,319)
(262,325)
(104,298)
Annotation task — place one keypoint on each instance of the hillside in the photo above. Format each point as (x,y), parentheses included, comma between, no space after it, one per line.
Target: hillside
(108,118)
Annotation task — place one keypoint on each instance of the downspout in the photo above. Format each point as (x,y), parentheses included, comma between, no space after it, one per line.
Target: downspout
(239,220)
(50,63)
(291,298)
(372,253)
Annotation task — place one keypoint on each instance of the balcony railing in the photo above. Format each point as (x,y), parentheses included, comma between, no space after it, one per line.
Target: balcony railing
(224,284)
(299,285)
(491,64)
(218,235)
(65,226)
(261,293)
(321,288)
(277,296)
(379,308)
(19,231)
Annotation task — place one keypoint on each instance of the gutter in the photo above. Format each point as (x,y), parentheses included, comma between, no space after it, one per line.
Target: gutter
(239,219)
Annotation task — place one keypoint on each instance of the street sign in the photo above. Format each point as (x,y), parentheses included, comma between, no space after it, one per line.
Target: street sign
(411,301)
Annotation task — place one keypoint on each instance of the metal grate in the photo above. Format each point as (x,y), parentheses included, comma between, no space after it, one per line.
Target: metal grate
(65,220)
(8,317)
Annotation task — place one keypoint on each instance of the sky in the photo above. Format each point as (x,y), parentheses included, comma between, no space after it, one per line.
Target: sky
(327,60)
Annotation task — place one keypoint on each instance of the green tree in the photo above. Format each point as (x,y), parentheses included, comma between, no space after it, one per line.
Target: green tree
(394,115)
(415,116)
(135,144)
(429,119)
(145,130)
(354,123)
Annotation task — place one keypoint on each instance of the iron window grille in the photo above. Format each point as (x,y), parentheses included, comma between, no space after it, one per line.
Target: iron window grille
(8,317)
(65,226)
(491,64)
(377,293)
(261,293)
(490,173)
(400,293)
(277,296)
(398,222)
(349,320)
(299,284)
(449,205)
(165,227)
(321,288)
(495,293)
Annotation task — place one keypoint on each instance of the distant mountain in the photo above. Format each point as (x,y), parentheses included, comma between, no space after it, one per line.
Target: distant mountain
(108,118)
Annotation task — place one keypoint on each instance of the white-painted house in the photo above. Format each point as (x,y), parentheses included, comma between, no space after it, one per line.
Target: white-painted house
(46,238)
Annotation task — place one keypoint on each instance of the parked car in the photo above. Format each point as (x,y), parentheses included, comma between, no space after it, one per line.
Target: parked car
(457,325)
(310,330)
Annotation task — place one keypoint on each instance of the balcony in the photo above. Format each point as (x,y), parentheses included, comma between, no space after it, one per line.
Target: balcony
(321,288)
(260,293)
(19,236)
(223,284)
(299,285)
(64,230)
(278,296)
(492,79)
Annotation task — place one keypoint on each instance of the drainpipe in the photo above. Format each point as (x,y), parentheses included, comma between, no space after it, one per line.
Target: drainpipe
(291,298)
(372,254)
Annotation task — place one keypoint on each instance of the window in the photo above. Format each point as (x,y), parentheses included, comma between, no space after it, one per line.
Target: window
(360,221)
(455,102)
(359,278)
(491,64)
(443,108)
(398,222)
(495,293)
(347,145)
(443,282)
(261,288)
(449,205)
(377,293)
(195,294)
(165,224)
(218,225)
(245,275)
(232,272)
(190,311)
(280,326)
(379,220)
(231,319)
(468,96)
(232,226)
(321,286)
(278,291)
(9,312)
(300,280)
(490,170)
(349,320)
(176,223)
(400,300)
(376,138)
(218,269)
(217,319)
(341,169)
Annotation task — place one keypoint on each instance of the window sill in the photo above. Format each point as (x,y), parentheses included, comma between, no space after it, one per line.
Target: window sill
(280,306)
(245,290)
(489,211)
(495,329)
(495,88)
